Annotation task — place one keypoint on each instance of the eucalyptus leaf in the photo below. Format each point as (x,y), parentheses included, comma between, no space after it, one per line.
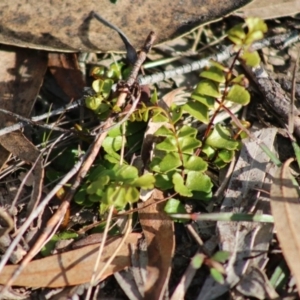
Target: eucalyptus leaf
(68,25)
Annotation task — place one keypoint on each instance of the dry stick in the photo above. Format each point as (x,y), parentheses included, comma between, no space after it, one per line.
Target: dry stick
(29,121)
(57,218)
(109,261)
(36,212)
(34,120)
(100,252)
(283,39)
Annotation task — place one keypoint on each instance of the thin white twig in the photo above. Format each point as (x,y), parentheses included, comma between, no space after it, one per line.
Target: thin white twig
(283,39)
(22,124)
(100,252)
(38,210)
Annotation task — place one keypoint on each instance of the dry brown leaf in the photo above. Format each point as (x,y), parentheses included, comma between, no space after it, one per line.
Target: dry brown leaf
(285,207)
(21,75)
(266,9)
(170,97)
(67,26)
(64,67)
(158,229)
(73,267)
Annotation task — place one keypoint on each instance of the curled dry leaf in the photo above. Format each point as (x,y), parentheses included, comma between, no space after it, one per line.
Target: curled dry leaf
(285,207)
(245,239)
(21,75)
(69,25)
(266,9)
(158,229)
(73,267)
(65,69)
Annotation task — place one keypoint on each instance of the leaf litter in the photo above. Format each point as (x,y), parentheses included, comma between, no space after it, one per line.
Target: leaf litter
(249,239)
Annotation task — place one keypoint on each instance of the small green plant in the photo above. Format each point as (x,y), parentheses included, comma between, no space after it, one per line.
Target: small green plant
(214,264)
(115,185)
(180,156)
(175,164)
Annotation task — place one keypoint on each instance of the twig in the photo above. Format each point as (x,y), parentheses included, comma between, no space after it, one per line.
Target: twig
(33,120)
(37,211)
(141,58)
(100,252)
(276,41)
(29,121)
(58,216)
